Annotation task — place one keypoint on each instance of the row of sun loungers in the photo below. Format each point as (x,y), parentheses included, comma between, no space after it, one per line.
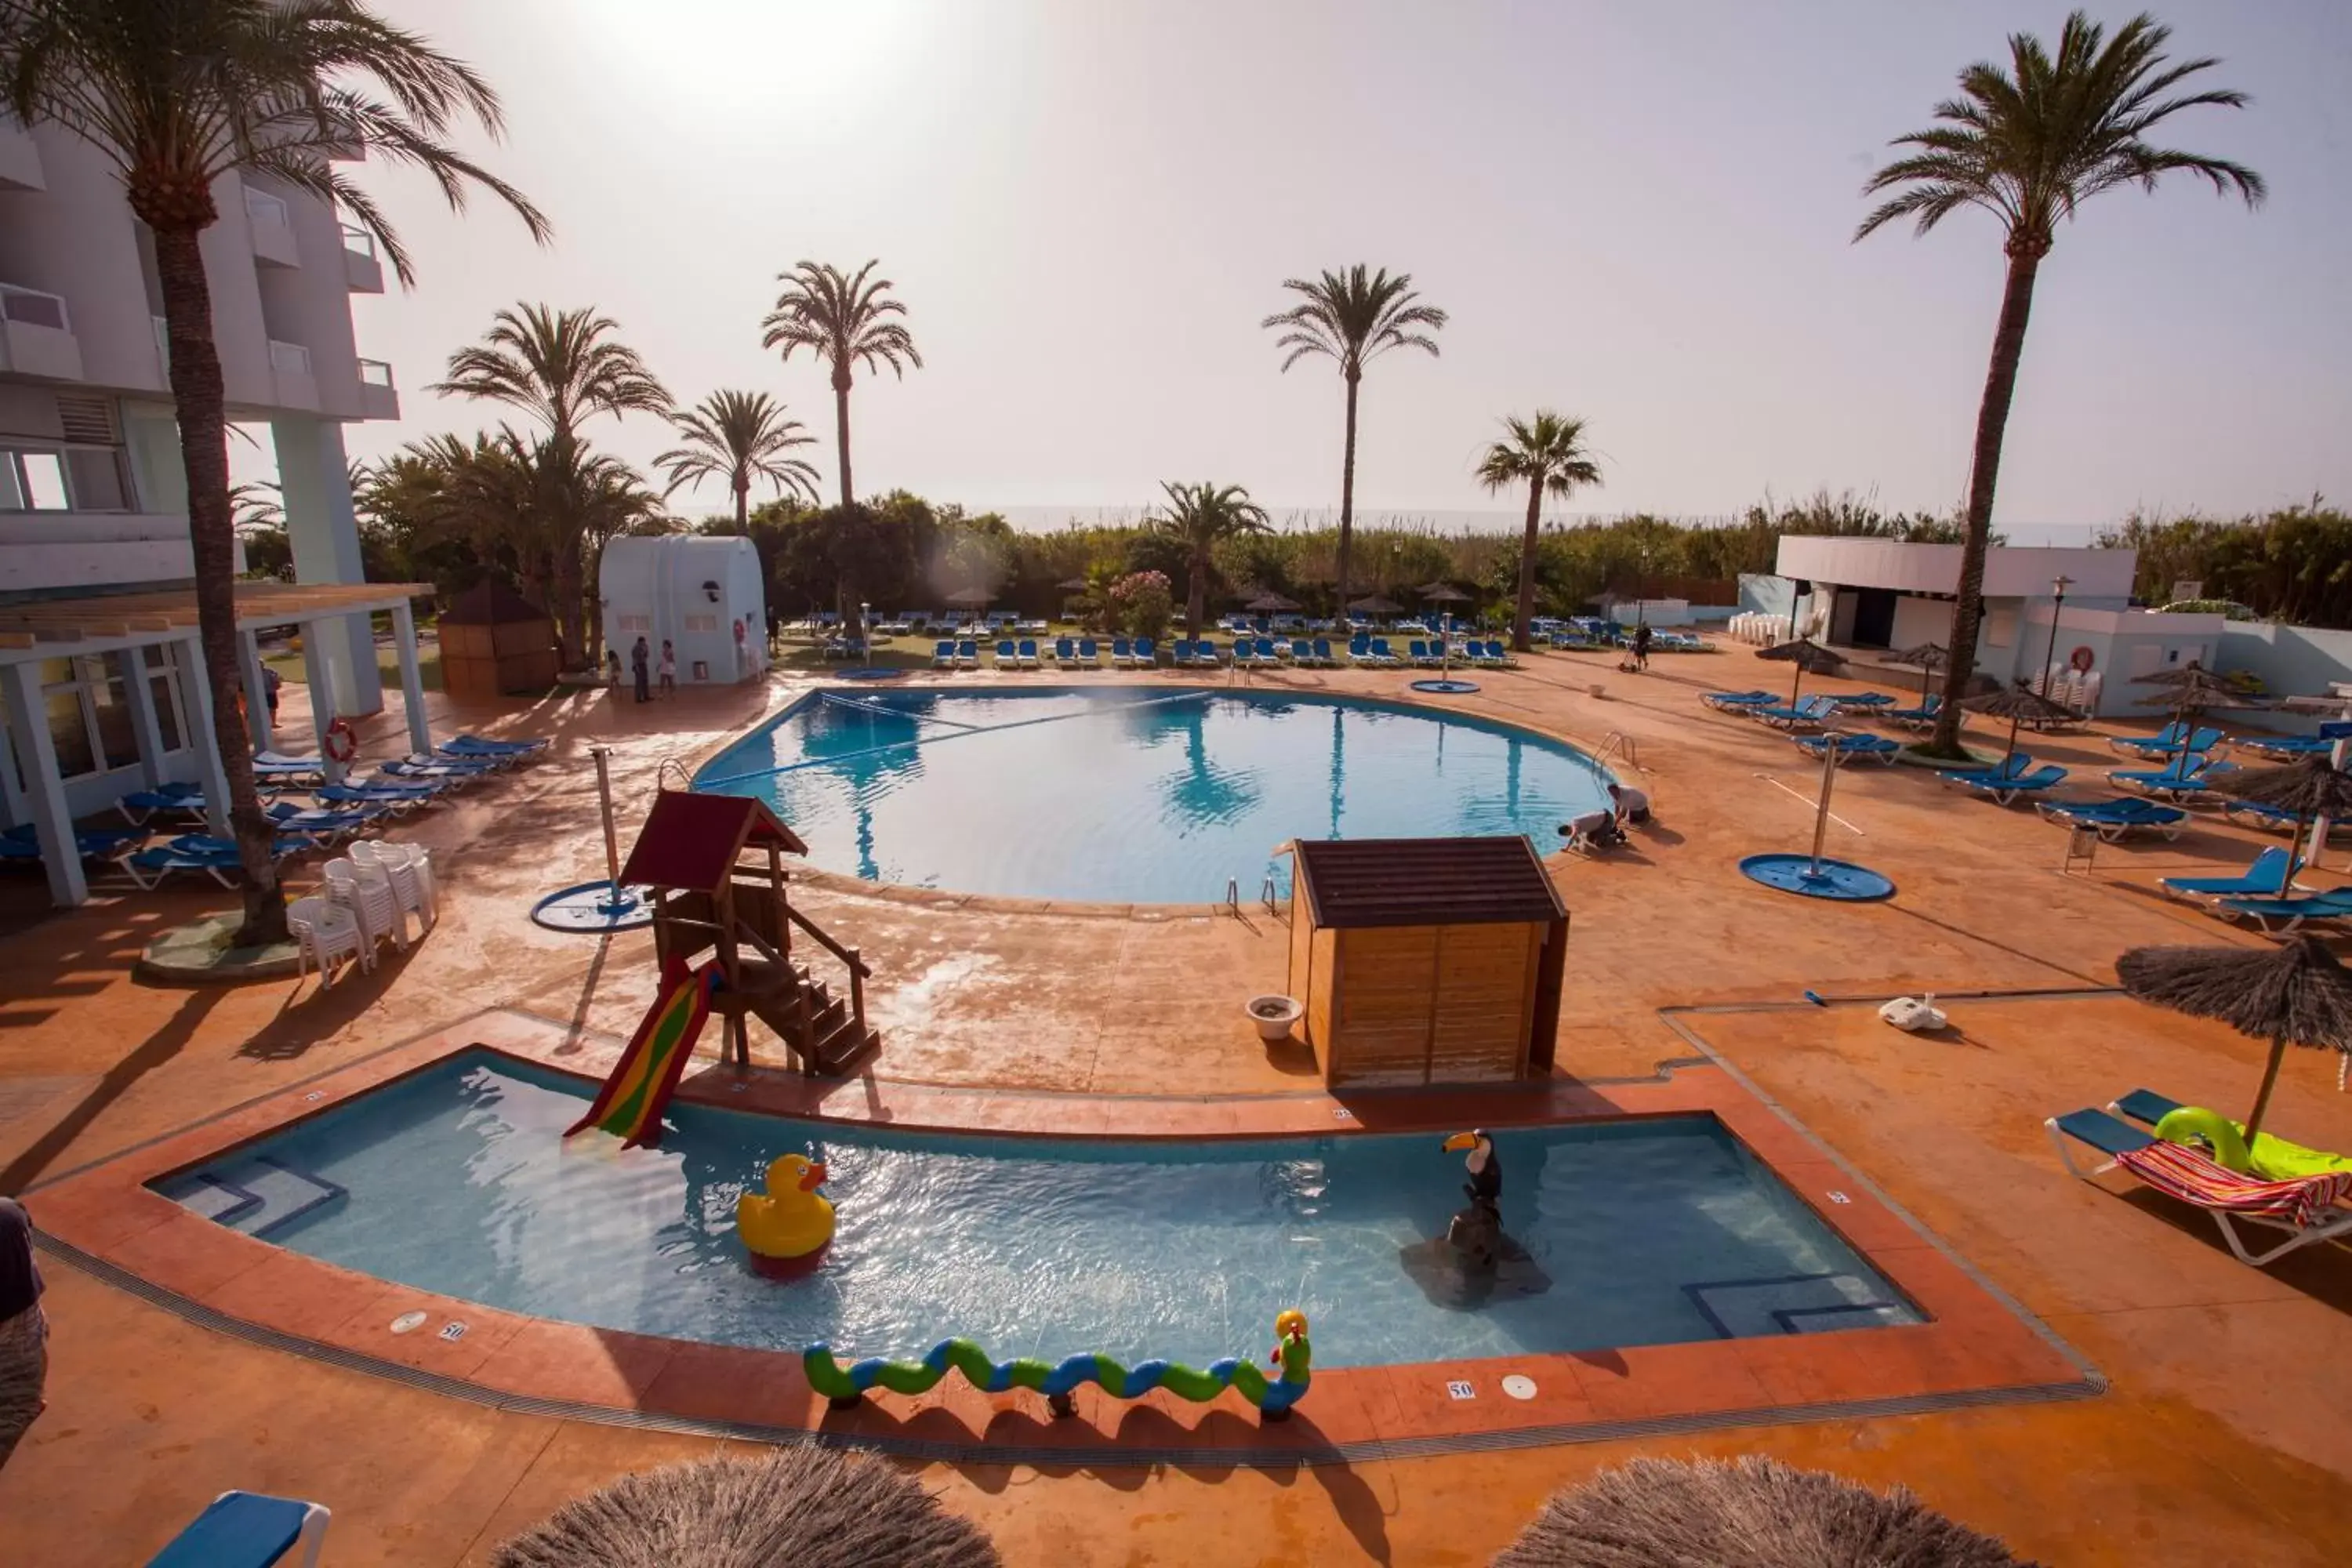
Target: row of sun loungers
(334,812)
(1143,653)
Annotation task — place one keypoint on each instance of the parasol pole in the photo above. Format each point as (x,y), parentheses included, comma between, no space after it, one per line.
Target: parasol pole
(1821,815)
(2270,1078)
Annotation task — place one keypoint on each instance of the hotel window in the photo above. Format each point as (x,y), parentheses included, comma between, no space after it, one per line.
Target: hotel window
(89,707)
(637,623)
(170,718)
(702,623)
(67,478)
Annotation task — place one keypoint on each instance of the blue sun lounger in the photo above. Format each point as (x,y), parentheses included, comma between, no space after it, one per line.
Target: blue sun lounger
(1923,717)
(248,1530)
(1867,700)
(1851,746)
(1816,709)
(23,843)
(2173,740)
(1089,653)
(278,767)
(2284,748)
(2267,877)
(2004,791)
(397,796)
(471,745)
(2117,819)
(165,800)
(1147,653)
(150,867)
(1729,699)
(2017,764)
(2277,916)
(2192,772)
(943,655)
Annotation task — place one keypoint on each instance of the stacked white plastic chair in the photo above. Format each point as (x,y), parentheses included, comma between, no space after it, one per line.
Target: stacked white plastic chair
(324,932)
(409,868)
(367,891)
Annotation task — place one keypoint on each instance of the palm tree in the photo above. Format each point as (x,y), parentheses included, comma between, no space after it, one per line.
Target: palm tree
(739,436)
(176,97)
(843,320)
(1200,518)
(1353,318)
(1546,453)
(2029,145)
(561,367)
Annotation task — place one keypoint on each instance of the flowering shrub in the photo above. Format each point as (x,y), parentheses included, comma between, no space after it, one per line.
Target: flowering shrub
(1140,603)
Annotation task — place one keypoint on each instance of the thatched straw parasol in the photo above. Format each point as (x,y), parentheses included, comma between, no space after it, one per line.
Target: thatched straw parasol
(806,1506)
(1074,585)
(1442,594)
(2292,994)
(2314,788)
(2018,703)
(970,598)
(1376,605)
(1929,656)
(1271,603)
(2192,690)
(1808,655)
(1749,1513)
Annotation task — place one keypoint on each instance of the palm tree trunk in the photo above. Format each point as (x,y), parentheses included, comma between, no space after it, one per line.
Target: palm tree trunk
(1196,590)
(841,426)
(200,406)
(743,506)
(1992,422)
(570,591)
(1348,495)
(1527,606)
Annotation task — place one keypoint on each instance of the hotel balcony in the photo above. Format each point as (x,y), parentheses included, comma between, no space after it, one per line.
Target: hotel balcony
(361,268)
(271,223)
(379,399)
(91,550)
(20,161)
(37,335)
(290,366)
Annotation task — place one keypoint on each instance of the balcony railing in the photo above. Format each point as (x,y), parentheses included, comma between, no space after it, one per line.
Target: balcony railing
(292,358)
(375,373)
(262,208)
(359,240)
(34,308)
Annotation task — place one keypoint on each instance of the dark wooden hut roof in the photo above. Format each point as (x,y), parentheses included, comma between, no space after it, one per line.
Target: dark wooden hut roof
(490,602)
(1353,883)
(691,840)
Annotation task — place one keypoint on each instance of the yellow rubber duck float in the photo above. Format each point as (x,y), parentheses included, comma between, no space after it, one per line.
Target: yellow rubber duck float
(787,1225)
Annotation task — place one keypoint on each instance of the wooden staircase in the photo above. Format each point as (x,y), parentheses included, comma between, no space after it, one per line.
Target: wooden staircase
(752,926)
(828,1033)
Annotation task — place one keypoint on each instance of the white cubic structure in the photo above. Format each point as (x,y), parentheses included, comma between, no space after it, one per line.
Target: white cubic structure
(705,595)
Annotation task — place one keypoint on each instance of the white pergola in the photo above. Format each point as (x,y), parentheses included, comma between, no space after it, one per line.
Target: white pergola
(40,630)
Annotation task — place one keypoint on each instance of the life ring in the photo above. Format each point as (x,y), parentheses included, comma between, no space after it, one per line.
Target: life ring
(2216,1131)
(2082,658)
(340,743)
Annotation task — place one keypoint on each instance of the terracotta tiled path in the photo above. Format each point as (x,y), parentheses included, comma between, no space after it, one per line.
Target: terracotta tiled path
(2225,1433)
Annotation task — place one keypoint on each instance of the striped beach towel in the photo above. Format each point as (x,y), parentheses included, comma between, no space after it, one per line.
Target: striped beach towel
(2199,1179)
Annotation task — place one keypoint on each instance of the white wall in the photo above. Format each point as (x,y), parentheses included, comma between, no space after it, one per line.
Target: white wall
(2009,571)
(654,588)
(1919,621)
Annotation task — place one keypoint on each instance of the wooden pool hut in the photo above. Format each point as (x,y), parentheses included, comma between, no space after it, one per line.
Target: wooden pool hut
(714,866)
(1426,959)
(494,643)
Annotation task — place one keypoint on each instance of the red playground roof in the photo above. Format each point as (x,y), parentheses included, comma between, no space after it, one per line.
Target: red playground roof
(691,840)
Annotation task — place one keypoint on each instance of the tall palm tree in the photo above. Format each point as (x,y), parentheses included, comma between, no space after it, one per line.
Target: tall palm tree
(843,320)
(561,367)
(739,436)
(1353,316)
(1200,518)
(1546,453)
(178,96)
(2029,145)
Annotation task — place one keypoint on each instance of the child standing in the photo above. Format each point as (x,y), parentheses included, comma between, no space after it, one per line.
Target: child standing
(668,670)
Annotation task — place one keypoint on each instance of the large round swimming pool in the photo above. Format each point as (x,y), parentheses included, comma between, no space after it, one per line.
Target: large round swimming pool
(1132,794)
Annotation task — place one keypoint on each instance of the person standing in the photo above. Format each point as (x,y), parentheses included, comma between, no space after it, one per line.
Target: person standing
(24,1329)
(668,670)
(1641,637)
(640,662)
(271,681)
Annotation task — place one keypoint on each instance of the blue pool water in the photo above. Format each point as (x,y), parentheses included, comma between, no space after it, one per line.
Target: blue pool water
(1132,794)
(459,1180)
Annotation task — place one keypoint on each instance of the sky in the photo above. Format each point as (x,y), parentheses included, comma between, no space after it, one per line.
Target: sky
(1640,215)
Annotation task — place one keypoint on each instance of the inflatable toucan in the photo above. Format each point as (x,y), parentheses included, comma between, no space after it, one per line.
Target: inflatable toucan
(1485,1166)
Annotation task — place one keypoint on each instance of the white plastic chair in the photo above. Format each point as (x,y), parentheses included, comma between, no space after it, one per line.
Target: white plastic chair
(324,932)
(409,868)
(367,891)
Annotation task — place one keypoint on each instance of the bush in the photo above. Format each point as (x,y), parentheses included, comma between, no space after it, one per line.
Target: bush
(1141,604)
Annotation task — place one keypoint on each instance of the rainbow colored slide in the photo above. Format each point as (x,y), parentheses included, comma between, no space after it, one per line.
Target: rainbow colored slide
(631,1103)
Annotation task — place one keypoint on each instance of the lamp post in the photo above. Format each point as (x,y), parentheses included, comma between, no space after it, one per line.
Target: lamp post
(2057,608)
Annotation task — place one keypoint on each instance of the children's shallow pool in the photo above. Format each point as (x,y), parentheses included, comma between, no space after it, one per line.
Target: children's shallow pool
(457,1180)
(1133,794)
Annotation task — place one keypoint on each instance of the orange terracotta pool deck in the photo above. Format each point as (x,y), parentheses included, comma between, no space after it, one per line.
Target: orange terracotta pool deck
(2219,1420)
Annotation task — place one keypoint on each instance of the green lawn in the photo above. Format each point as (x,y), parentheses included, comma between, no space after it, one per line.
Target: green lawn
(289,665)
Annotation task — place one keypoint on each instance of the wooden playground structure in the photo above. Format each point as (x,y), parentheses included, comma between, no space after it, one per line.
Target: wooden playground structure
(713,865)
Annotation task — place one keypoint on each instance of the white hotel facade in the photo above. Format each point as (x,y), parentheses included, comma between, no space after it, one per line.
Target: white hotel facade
(93,509)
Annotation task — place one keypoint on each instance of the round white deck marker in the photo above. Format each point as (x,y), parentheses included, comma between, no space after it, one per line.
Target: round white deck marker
(408,1322)
(1519,1387)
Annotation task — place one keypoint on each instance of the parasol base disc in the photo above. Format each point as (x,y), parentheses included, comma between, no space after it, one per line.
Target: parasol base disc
(869,672)
(1446,686)
(593,909)
(1839,880)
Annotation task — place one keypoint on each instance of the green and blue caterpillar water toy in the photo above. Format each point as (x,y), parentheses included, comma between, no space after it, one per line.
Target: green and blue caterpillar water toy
(1274,1396)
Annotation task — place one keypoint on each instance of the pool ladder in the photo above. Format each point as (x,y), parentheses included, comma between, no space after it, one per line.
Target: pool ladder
(1618,744)
(1265,895)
